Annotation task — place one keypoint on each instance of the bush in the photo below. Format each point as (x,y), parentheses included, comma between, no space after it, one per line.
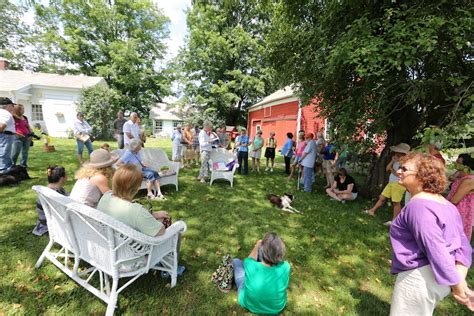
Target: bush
(100,105)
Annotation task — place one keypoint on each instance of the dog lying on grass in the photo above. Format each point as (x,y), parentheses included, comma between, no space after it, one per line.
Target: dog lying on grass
(283,202)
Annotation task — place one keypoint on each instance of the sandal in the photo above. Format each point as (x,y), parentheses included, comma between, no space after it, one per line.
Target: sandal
(368,213)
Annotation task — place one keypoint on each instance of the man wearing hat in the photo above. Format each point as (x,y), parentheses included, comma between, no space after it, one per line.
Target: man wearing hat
(177,139)
(393,190)
(7,134)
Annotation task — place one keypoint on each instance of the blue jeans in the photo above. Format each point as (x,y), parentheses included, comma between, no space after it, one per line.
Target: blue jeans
(239,271)
(80,146)
(308,174)
(21,144)
(6,143)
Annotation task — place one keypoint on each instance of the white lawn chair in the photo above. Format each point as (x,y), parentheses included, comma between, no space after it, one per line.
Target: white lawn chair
(156,158)
(111,248)
(223,156)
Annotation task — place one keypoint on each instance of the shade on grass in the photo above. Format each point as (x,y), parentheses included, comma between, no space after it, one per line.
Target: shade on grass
(340,258)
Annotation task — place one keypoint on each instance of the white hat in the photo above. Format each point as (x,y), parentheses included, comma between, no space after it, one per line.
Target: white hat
(101,158)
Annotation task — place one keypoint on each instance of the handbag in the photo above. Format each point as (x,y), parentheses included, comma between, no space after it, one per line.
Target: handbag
(81,137)
(223,277)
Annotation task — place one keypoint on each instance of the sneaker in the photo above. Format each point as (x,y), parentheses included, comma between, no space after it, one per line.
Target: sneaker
(388,223)
(271,169)
(343,201)
(159,197)
(266,169)
(203,180)
(179,272)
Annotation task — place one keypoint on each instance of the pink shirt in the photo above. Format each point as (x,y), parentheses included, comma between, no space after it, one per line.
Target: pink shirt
(300,148)
(21,126)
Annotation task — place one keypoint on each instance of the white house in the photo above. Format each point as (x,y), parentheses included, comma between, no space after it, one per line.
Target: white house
(165,118)
(49,99)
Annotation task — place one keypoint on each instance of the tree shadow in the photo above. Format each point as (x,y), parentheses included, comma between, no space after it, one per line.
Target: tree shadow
(369,302)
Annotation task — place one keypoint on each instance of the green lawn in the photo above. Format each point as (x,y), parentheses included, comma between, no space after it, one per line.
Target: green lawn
(340,258)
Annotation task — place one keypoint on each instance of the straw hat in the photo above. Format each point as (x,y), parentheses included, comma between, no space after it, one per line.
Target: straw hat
(401,148)
(101,158)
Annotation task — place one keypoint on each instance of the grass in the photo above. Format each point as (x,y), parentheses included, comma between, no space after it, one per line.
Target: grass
(340,258)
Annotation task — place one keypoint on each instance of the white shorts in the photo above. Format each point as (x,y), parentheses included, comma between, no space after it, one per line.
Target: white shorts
(417,293)
(256,154)
(176,152)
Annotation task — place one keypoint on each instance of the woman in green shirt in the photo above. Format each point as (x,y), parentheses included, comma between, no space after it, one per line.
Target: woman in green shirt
(256,152)
(263,277)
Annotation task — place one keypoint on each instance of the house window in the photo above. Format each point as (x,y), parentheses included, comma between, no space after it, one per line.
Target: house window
(176,123)
(36,112)
(158,126)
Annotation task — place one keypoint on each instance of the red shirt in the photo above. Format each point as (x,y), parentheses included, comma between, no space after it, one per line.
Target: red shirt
(22,126)
(438,156)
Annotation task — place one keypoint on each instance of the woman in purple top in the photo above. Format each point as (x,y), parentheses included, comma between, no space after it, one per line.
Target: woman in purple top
(431,253)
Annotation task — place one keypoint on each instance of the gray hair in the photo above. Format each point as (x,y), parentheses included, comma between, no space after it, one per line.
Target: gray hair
(134,144)
(273,249)
(272,133)
(207,124)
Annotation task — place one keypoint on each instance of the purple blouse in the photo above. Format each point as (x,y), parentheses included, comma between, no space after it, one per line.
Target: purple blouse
(429,232)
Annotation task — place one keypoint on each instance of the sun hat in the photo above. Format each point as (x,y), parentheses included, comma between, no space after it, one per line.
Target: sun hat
(400,148)
(101,158)
(6,101)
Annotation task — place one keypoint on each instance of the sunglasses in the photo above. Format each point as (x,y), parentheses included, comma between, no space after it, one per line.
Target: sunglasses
(405,169)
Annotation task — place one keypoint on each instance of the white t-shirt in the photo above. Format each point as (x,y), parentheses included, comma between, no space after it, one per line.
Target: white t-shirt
(394,178)
(7,118)
(132,128)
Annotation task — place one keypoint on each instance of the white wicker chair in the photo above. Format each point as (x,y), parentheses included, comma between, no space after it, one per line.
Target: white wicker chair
(222,155)
(156,158)
(113,249)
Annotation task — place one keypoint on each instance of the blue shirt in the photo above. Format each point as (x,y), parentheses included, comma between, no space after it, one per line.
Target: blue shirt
(177,137)
(287,146)
(245,140)
(309,159)
(131,158)
(330,152)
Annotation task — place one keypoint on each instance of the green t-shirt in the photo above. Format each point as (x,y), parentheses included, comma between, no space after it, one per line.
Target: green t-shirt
(132,214)
(257,143)
(264,290)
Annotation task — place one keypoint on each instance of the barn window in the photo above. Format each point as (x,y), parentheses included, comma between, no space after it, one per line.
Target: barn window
(267,111)
(36,112)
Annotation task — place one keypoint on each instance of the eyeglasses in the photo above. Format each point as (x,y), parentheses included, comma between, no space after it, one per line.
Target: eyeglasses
(405,169)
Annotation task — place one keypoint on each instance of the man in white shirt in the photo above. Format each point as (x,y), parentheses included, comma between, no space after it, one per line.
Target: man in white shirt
(131,130)
(205,146)
(7,134)
(307,161)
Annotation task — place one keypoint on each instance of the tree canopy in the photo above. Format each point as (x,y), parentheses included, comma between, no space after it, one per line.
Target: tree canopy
(222,65)
(388,67)
(121,41)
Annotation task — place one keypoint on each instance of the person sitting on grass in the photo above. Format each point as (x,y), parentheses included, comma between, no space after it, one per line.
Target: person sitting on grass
(132,156)
(343,188)
(118,204)
(393,190)
(93,178)
(263,277)
(56,179)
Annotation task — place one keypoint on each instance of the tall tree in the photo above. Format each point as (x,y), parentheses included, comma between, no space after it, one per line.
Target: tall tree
(387,67)
(14,37)
(120,40)
(222,65)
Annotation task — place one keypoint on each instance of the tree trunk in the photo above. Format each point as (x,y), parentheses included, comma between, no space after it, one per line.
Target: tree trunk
(405,124)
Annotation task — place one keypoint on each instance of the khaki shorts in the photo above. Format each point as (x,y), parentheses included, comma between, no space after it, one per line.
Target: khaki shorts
(394,191)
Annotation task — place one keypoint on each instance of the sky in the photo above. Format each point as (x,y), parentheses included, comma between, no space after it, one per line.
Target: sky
(173,9)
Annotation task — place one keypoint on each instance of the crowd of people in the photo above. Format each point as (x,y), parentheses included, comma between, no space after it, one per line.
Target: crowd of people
(430,235)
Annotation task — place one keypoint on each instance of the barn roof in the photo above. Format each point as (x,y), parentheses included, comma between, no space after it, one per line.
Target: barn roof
(285,93)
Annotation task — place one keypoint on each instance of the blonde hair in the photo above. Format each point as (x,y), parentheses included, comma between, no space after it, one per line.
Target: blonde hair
(87,172)
(126,181)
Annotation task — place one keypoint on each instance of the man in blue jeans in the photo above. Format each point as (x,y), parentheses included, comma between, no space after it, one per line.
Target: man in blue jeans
(307,161)
(7,134)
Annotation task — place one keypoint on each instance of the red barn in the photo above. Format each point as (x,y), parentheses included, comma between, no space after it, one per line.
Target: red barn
(281,112)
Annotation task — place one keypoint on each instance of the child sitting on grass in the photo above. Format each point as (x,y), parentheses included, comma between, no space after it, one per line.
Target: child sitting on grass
(56,179)
(263,277)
